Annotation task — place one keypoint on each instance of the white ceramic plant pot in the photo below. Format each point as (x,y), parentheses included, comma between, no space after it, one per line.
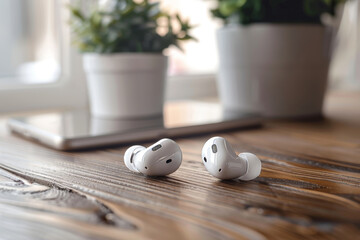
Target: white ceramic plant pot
(126,85)
(279,70)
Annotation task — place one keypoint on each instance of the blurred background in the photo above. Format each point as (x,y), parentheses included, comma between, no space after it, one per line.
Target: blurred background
(35,53)
(32,40)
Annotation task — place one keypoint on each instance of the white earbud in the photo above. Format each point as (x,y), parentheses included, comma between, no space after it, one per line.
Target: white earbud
(160,159)
(221,161)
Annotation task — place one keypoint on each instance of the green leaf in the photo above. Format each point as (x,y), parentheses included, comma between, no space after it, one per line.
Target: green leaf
(76,12)
(131,26)
(226,8)
(240,3)
(274,11)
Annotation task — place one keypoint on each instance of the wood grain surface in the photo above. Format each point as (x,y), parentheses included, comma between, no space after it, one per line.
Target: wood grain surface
(309,187)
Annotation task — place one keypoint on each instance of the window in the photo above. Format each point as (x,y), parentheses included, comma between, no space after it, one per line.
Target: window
(193,72)
(198,57)
(39,69)
(30,44)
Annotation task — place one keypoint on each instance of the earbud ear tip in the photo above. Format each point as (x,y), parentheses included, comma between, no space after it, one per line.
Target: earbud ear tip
(254,166)
(128,157)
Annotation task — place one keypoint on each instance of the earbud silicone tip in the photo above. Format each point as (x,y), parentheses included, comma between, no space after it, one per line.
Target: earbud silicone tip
(253,166)
(128,157)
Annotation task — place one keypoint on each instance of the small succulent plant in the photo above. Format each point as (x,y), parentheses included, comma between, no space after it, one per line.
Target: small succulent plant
(274,11)
(128,26)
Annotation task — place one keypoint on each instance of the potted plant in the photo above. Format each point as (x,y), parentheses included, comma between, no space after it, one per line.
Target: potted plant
(274,55)
(122,45)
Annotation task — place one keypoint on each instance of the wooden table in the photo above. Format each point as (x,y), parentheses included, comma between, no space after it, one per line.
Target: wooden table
(309,187)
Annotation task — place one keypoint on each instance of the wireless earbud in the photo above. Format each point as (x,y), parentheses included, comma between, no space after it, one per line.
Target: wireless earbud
(221,161)
(160,159)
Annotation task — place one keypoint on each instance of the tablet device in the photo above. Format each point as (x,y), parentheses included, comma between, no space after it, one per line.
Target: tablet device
(77,129)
